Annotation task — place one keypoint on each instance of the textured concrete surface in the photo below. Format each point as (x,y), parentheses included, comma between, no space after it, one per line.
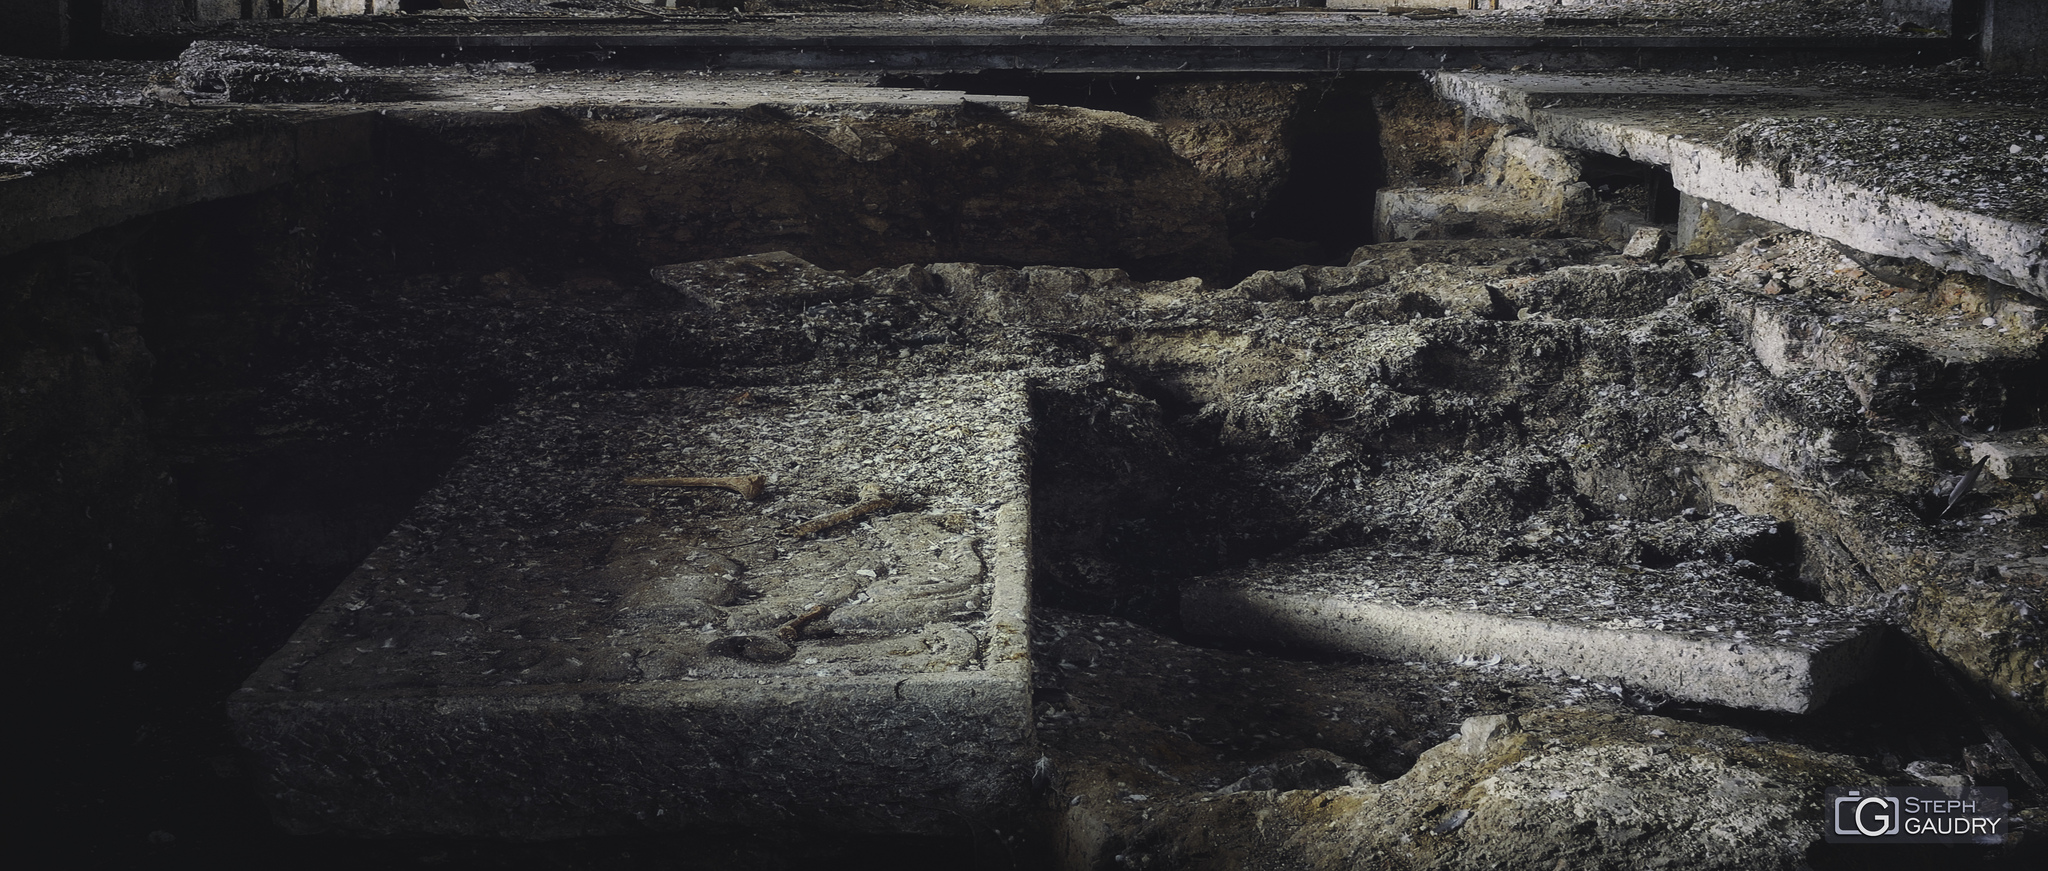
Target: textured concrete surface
(1869,173)
(544,650)
(1671,631)
(2014,32)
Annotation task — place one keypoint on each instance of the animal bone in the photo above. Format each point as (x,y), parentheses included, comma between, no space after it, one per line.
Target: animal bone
(872,501)
(748,486)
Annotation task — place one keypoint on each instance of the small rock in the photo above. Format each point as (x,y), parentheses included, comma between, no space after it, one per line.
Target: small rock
(1451,821)
(1647,243)
(755,647)
(1478,732)
(1947,777)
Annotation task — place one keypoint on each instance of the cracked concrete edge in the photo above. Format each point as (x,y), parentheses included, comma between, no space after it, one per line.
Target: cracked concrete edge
(1009,613)
(1750,675)
(2008,252)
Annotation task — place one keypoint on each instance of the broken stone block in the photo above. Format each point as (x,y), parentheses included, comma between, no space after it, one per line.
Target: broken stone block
(1522,254)
(242,73)
(1144,733)
(1694,631)
(1807,424)
(1788,171)
(1710,228)
(2014,454)
(1520,165)
(1080,298)
(1597,291)
(1469,211)
(1522,189)
(1305,282)
(546,649)
(1646,243)
(1892,365)
(774,281)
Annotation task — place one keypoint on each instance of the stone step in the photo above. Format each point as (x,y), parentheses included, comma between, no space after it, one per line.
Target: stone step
(543,649)
(1891,367)
(1695,631)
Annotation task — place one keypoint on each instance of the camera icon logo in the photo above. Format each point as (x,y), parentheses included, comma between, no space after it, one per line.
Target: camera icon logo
(1872,816)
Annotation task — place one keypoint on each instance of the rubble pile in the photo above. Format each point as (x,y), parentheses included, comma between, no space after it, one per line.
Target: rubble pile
(1518,410)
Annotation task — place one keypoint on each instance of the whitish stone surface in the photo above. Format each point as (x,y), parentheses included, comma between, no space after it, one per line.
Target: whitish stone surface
(2016,454)
(1694,631)
(542,650)
(1866,174)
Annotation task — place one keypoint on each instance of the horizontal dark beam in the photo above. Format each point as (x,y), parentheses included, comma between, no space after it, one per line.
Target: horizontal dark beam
(1119,53)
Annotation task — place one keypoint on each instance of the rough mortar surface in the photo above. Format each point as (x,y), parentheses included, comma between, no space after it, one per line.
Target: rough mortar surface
(1670,631)
(543,650)
(1897,176)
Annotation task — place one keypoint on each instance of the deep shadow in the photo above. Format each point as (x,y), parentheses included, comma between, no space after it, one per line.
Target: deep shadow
(1326,206)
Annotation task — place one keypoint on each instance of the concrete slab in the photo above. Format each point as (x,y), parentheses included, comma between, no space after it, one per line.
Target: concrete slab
(543,649)
(2013,33)
(1893,177)
(1668,631)
(1018,39)
(518,87)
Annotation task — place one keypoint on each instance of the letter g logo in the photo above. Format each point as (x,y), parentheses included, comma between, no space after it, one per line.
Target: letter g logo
(1886,823)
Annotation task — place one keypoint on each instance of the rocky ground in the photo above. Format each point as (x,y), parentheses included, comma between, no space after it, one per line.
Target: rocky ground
(1509,401)
(1503,401)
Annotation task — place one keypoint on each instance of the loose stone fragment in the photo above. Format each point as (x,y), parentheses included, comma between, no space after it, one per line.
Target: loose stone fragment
(755,648)
(1648,242)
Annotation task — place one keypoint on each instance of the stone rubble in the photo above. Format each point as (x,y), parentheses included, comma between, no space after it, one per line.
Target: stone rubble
(1778,423)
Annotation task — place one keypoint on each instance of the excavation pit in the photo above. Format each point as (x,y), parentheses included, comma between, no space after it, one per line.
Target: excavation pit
(543,649)
(338,295)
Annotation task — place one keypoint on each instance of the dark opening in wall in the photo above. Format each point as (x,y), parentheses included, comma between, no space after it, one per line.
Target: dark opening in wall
(1326,204)
(1625,185)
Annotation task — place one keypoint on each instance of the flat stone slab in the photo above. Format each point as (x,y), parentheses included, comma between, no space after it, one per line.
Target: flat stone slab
(543,649)
(1954,185)
(1695,631)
